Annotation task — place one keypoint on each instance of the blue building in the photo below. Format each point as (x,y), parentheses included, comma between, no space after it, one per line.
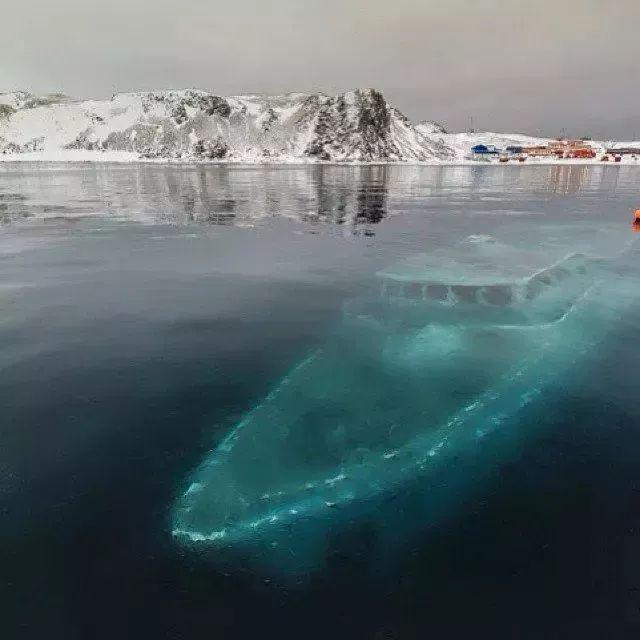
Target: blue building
(484,150)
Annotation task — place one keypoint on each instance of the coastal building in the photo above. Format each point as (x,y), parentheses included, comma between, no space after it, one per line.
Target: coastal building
(539,151)
(624,151)
(582,152)
(484,151)
(561,148)
(577,148)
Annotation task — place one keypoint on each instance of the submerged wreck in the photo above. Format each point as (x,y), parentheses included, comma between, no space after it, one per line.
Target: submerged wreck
(419,383)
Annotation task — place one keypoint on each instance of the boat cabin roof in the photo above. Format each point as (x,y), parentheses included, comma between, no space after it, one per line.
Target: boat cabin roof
(481,260)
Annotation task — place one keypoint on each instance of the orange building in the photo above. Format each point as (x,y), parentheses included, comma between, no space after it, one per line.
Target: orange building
(582,152)
(562,148)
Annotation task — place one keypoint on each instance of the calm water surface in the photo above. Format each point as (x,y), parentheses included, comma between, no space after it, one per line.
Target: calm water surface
(144,309)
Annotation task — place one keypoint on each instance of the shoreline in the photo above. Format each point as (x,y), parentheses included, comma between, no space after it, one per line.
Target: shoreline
(126,157)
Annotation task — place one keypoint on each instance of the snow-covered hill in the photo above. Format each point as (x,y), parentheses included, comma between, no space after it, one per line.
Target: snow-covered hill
(357,126)
(192,125)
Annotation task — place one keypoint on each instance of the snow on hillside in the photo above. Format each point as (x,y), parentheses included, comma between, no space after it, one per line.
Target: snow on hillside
(430,128)
(194,125)
(357,126)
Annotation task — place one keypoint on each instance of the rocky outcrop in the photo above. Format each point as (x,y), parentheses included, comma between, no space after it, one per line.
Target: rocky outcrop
(356,125)
(362,126)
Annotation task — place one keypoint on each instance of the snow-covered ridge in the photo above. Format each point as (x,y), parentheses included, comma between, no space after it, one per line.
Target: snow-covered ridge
(357,126)
(193,125)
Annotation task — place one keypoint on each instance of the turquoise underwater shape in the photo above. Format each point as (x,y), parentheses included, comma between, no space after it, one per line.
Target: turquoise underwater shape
(410,384)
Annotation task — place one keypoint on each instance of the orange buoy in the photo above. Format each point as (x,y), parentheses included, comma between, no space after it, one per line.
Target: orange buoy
(636,220)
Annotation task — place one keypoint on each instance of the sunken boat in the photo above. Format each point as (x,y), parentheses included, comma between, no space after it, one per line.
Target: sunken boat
(422,381)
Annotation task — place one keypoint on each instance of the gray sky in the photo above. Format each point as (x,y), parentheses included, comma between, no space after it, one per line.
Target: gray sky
(526,65)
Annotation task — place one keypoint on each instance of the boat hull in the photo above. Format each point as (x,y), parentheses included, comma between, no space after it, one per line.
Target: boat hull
(390,423)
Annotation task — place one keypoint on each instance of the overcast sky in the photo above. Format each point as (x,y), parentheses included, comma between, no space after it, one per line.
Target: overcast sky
(513,65)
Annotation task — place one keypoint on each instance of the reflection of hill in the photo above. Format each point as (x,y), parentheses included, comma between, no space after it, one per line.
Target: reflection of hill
(343,195)
(350,195)
(211,195)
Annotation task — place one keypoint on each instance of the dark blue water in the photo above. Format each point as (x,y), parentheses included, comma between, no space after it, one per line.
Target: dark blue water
(144,309)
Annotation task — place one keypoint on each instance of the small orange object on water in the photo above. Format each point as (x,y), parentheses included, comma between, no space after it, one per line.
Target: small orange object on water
(636,220)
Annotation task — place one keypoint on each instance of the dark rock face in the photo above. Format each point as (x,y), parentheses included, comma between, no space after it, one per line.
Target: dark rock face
(6,110)
(270,120)
(374,114)
(217,106)
(83,141)
(374,125)
(179,113)
(354,125)
(9,147)
(211,149)
(207,104)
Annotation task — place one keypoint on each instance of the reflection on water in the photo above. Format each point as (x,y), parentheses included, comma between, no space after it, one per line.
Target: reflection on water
(575,178)
(348,196)
(353,196)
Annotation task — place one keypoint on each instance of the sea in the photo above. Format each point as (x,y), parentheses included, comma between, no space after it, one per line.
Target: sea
(147,309)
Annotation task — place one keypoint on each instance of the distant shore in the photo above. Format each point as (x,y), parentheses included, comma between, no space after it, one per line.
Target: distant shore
(127,157)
